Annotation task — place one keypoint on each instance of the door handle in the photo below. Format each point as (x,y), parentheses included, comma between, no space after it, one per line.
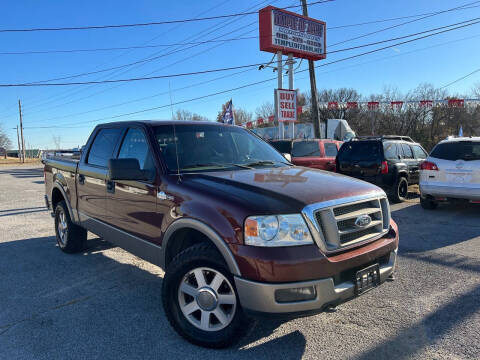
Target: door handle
(81,179)
(111,186)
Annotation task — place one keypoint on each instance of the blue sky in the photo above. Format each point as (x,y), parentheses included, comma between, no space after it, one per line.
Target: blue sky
(437,60)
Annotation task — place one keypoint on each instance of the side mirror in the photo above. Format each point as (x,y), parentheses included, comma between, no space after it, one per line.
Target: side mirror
(287,156)
(125,169)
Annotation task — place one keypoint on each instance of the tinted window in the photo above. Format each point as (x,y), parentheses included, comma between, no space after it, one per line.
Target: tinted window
(213,148)
(418,152)
(464,150)
(103,146)
(285,147)
(305,148)
(390,151)
(360,151)
(135,146)
(330,149)
(407,151)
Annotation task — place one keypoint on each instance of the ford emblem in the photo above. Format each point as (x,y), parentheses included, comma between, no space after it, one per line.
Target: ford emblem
(362,221)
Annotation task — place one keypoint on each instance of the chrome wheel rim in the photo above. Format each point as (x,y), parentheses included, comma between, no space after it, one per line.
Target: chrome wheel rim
(62,227)
(207,299)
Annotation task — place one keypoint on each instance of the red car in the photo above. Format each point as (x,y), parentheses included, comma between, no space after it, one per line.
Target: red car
(316,153)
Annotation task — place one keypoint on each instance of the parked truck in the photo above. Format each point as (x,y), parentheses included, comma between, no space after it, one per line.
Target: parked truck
(239,231)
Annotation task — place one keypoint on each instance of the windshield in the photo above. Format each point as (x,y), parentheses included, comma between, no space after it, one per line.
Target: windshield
(305,148)
(458,150)
(360,151)
(213,148)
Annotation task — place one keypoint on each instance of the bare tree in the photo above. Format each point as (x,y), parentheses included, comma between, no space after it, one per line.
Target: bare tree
(476,90)
(5,143)
(265,110)
(188,115)
(57,140)
(242,116)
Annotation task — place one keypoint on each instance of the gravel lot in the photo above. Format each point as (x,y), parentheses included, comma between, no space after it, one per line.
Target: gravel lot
(105,303)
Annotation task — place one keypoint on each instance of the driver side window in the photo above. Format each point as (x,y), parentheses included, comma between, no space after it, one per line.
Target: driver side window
(135,146)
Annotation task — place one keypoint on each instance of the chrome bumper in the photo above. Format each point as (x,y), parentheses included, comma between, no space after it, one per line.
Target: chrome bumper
(260,297)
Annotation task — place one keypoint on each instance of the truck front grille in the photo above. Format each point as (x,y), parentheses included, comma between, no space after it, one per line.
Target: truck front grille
(340,224)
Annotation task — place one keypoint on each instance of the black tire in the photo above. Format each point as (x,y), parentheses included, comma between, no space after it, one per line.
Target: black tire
(400,190)
(428,204)
(74,238)
(195,257)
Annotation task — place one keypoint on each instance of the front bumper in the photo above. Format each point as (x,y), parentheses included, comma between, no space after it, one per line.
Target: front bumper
(259,297)
(451,191)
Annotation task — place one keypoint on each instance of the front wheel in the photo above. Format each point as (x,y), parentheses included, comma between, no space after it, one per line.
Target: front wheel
(200,299)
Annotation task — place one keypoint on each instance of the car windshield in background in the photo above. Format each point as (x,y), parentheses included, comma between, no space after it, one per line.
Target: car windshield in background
(360,151)
(213,148)
(305,148)
(458,150)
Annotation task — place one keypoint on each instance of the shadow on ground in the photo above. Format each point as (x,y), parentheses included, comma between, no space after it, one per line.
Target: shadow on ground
(54,302)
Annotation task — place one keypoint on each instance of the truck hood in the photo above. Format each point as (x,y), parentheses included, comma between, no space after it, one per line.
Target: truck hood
(280,189)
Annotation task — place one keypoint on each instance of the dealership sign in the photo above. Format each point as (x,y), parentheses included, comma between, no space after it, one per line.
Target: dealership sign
(286,102)
(291,33)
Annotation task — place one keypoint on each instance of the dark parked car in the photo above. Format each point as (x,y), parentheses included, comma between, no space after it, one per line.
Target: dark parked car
(315,153)
(391,162)
(238,230)
(282,146)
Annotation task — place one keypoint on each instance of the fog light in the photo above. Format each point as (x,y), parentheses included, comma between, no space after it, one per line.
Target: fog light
(295,294)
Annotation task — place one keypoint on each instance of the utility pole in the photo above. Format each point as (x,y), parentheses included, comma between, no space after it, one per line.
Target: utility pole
(313,86)
(18,140)
(21,130)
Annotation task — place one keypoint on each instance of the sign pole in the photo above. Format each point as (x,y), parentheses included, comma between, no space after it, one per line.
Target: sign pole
(290,83)
(279,86)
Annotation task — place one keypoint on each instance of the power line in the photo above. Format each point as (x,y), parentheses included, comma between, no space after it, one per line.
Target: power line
(404,23)
(240,72)
(98,27)
(136,47)
(262,81)
(460,79)
(457,26)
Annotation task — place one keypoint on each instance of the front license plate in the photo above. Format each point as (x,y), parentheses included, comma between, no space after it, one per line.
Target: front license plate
(367,279)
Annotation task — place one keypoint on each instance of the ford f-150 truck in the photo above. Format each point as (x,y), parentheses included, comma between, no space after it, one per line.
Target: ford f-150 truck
(239,230)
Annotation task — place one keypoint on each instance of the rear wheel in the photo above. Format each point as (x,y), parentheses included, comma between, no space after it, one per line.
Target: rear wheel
(400,190)
(200,299)
(71,238)
(428,204)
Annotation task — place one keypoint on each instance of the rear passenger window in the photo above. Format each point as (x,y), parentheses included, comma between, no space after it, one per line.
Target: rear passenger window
(330,149)
(418,152)
(103,146)
(390,151)
(305,148)
(407,151)
(135,146)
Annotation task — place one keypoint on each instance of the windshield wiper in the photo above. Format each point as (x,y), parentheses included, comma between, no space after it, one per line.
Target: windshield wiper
(266,162)
(198,165)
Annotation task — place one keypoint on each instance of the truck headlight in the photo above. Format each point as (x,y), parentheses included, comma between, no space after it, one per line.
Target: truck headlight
(277,230)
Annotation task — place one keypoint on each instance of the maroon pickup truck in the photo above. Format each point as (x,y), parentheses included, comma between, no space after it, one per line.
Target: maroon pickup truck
(240,231)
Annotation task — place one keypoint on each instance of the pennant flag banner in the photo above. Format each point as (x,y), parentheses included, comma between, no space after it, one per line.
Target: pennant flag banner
(399,104)
(271,118)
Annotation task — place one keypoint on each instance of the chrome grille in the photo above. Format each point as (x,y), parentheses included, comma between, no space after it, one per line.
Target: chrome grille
(336,222)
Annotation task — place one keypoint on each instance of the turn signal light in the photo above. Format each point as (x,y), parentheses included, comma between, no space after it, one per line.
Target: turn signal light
(427,165)
(251,227)
(384,167)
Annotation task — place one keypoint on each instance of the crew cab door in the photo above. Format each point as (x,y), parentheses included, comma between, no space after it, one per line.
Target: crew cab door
(419,155)
(131,205)
(92,174)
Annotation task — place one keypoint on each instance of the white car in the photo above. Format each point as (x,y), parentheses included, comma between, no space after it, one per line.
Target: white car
(451,171)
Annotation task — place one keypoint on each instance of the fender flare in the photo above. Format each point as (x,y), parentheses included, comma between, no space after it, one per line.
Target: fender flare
(58,185)
(209,233)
